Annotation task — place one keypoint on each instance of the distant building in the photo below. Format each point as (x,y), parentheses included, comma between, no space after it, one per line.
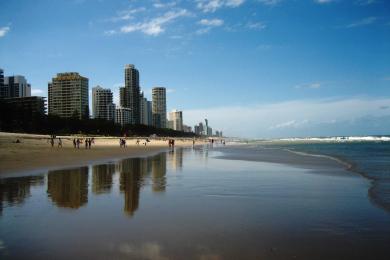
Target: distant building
(209,131)
(28,105)
(129,94)
(2,83)
(176,117)
(187,129)
(68,95)
(170,124)
(102,104)
(145,110)
(15,86)
(150,114)
(123,116)
(159,107)
(199,129)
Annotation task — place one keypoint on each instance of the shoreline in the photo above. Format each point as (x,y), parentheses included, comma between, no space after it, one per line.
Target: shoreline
(34,153)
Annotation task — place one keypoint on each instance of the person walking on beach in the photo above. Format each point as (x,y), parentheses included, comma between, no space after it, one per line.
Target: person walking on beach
(59,142)
(74,143)
(86,143)
(78,143)
(89,143)
(52,141)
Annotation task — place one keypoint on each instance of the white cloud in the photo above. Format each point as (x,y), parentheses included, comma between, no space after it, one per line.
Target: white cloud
(313,85)
(208,24)
(290,124)
(256,26)
(128,14)
(298,118)
(156,25)
(36,91)
(269,2)
(210,6)
(212,22)
(363,22)
(159,4)
(4,30)
(323,1)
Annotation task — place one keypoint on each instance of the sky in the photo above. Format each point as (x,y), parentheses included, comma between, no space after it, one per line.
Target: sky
(254,68)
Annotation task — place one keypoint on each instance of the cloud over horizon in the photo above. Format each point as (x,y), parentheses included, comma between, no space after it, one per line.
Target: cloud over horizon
(319,117)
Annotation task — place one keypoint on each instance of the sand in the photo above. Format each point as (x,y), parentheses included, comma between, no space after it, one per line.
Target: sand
(34,152)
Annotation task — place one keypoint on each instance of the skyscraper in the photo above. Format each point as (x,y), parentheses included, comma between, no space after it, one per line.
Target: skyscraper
(177,120)
(159,107)
(1,82)
(145,110)
(15,86)
(102,105)
(129,94)
(68,95)
(123,116)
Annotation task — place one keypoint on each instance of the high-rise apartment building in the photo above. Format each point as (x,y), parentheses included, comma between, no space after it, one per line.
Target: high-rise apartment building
(176,117)
(123,116)
(15,86)
(68,95)
(159,107)
(129,94)
(1,82)
(145,110)
(102,104)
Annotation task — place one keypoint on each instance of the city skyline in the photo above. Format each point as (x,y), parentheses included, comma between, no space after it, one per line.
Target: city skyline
(318,67)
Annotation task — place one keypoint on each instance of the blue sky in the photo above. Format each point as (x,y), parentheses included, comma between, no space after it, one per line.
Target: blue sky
(255,68)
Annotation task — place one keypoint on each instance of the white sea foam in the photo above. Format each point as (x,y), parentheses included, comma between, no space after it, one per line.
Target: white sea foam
(341,139)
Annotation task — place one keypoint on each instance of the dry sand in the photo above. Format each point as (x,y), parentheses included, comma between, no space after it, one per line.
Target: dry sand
(34,152)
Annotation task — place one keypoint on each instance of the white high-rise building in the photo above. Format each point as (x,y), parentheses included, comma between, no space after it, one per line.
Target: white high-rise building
(159,107)
(145,110)
(102,105)
(176,117)
(123,116)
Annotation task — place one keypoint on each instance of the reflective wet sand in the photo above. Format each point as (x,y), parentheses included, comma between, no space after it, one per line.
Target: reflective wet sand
(186,204)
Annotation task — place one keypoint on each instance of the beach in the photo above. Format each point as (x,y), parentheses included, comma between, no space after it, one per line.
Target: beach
(204,202)
(34,152)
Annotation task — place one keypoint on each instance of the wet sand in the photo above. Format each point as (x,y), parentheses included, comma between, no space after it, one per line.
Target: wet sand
(186,204)
(34,152)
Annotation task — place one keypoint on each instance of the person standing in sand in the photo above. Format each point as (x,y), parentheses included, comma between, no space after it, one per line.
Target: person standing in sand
(52,141)
(59,142)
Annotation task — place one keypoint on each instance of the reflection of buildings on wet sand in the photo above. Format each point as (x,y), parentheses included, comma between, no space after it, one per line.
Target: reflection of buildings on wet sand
(133,174)
(130,182)
(68,188)
(102,178)
(176,159)
(16,190)
(159,169)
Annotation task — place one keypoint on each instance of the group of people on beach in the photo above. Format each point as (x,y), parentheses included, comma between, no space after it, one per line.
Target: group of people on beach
(144,143)
(52,138)
(171,143)
(88,142)
(122,142)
